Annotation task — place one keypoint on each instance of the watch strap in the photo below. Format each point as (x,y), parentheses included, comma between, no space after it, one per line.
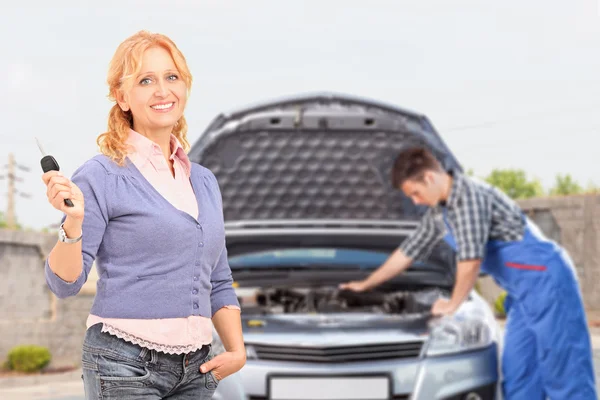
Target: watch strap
(62,236)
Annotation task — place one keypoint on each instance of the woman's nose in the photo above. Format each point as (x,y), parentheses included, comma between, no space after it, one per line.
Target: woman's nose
(161,89)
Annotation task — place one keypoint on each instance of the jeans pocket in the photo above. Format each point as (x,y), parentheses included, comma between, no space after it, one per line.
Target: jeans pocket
(113,369)
(211,381)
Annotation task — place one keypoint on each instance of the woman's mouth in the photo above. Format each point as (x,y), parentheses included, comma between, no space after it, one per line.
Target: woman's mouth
(164,107)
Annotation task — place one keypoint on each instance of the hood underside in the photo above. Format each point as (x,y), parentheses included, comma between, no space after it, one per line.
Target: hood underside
(314,170)
(314,157)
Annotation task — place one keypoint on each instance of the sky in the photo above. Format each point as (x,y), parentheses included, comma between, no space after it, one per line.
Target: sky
(507,84)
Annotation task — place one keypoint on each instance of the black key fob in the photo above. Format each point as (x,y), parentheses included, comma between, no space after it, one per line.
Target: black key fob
(49,163)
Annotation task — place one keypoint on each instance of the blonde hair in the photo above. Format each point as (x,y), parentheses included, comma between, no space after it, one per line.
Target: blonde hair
(125,65)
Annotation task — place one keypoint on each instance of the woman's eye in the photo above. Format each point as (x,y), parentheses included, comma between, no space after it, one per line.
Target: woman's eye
(145,81)
(173,77)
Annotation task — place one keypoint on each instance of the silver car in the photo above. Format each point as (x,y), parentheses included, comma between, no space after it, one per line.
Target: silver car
(308,204)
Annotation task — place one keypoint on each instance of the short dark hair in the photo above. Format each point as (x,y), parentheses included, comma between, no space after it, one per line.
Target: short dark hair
(412,163)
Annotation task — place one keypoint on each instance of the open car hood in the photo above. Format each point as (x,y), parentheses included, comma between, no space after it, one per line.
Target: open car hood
(315,169)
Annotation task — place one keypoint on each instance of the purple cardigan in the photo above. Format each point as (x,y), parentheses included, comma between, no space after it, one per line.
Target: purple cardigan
(153,260)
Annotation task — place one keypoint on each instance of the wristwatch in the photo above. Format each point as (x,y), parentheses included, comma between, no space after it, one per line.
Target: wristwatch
(62,236)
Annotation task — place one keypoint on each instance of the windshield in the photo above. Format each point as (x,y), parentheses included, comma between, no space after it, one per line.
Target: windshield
(330,257)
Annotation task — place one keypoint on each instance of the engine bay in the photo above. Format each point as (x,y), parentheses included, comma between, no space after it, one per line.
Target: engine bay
(284,300)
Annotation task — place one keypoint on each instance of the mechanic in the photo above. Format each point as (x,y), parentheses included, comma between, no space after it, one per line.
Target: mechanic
(547,350)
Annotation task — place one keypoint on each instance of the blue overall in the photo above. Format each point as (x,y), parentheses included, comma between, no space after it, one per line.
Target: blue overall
(547,347)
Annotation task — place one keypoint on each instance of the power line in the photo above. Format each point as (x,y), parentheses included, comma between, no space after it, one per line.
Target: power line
(532,115)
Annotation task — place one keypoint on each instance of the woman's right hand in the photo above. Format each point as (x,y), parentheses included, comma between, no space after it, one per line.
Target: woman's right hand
(59,188)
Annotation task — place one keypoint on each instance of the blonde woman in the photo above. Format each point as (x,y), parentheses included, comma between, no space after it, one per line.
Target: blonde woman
(153,222)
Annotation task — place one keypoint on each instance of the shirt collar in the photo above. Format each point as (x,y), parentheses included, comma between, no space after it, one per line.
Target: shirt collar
(145,149)
(455,189)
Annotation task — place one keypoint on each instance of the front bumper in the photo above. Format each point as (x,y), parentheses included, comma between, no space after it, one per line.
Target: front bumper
(450,377)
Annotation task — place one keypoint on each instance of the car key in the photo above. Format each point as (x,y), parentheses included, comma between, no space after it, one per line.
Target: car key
(49,164)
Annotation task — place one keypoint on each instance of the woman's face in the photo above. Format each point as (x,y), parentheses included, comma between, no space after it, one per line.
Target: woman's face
(158,96)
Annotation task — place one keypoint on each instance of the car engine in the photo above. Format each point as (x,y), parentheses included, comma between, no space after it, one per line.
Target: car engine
(333,300)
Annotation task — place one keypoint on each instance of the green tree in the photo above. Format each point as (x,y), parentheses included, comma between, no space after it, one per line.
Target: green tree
(565,185)
(515,184)
(592,188)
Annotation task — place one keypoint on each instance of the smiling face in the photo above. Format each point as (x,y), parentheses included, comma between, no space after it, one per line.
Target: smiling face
(157,96)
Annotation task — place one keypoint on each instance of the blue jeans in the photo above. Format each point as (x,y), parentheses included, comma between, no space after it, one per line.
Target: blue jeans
(116,369)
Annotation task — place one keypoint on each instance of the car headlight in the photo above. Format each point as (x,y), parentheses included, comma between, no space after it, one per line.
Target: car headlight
(466,330)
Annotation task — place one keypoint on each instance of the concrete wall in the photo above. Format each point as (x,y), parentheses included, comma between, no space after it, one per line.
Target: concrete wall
(578,230)
(29,312)
(574,222)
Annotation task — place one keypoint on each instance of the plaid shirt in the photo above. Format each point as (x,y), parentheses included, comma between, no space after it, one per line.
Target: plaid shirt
(476,212)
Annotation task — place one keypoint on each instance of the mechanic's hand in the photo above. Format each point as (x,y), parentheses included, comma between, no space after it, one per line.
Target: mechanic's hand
(59,188)
(355,286)
(224,364)
(443,307)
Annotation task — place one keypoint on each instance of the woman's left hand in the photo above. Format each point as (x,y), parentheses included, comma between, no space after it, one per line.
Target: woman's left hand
(224,364)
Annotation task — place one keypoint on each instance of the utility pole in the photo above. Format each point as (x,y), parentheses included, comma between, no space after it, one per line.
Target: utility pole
(10,209)
(11,219)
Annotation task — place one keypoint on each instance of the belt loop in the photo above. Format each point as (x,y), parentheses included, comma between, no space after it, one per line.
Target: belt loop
(143,353)
(154,357)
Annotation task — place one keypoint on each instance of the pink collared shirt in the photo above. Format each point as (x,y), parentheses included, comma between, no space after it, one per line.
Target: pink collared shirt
(173,335)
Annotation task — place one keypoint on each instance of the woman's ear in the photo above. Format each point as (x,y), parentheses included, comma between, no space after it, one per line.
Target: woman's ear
(121,100)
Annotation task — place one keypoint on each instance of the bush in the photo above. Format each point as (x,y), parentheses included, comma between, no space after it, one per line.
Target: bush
(499,305)
(28,358)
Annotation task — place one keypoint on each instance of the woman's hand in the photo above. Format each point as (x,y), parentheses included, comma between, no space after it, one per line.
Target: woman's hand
(225,364)
(59,188)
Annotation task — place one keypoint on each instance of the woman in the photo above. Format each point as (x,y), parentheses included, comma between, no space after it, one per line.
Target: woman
(153,222)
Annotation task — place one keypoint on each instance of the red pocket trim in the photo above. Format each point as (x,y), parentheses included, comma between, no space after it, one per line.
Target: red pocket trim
(526,267)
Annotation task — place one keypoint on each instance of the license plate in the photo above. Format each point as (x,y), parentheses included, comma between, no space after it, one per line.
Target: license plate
(330,388)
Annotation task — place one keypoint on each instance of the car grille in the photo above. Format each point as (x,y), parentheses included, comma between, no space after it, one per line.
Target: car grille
(338,354)
(394,397)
